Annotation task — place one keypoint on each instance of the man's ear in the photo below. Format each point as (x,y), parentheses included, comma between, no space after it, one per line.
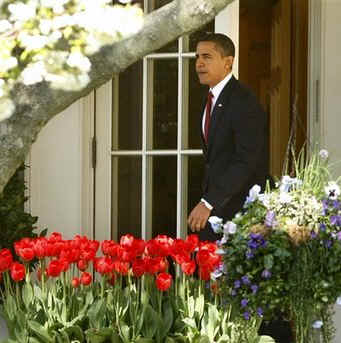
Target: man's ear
(229,62)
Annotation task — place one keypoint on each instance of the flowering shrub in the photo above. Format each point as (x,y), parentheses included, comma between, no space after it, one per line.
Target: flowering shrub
(131,297)
(283,251)
(49,40)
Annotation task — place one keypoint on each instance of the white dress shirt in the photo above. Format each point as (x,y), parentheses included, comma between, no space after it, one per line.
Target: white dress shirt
(216,90)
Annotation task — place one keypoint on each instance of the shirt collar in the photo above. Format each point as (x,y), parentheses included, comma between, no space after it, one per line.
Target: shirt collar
(216,90)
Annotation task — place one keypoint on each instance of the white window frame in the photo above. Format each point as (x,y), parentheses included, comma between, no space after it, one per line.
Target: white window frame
(105,211)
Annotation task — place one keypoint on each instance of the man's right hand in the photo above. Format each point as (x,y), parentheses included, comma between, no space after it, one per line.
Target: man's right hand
(198,217)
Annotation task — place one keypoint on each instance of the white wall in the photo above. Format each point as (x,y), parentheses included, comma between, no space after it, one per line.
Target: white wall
(55,173)
(331,97)
(331,80)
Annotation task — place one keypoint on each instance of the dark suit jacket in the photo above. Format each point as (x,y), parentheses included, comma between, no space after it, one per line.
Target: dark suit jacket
(236,156)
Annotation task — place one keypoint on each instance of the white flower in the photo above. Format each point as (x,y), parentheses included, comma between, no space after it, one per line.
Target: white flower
(220,252)
(264,199)
(32,42)
(216,223)
(5,25)
(288,182)
(33,73)
(253,194)
(324,154)
(22,12)
(6,108)
(285,198)
(317,324)
(45,26)
(54,37)
(124,1)
(68,81)
(332,190)
(230,228)
(78,60)
(7,63)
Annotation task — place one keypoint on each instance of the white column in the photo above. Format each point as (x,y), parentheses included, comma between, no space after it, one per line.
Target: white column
(227,22)
(57,173)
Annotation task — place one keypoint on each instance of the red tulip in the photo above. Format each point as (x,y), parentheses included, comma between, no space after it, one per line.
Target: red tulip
(75,282)
(6,259)
(192,242)
(163,281)
(138,267)
(86,278)
(54,268)
(82,265)
(204,274)
(188,267)
(17,271)
(104,265)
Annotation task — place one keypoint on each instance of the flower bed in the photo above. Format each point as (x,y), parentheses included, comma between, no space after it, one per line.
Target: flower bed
(134,297)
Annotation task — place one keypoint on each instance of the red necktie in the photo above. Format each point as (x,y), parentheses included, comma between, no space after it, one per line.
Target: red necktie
(208,115)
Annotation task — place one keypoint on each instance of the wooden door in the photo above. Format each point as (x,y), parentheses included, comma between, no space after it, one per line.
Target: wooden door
(280,84)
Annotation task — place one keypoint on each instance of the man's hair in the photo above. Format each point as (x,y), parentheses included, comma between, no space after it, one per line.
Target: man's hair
(223,43)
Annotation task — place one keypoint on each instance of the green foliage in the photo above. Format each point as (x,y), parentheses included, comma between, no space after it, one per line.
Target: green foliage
(15,223)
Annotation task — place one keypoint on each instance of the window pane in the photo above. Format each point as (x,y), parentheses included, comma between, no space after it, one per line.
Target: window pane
(127,177)
(195,175)
(130,108)
(196,101)
(165,104)
(164,195)
(193,38)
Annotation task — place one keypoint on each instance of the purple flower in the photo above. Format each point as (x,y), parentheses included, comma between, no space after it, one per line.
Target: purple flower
(246,280)
(338,235)
(255,236)
(323,227)
(249,255)
(335,220)
(254,289)
(244,302)
(237,284)
(260,311)
(233,292)
(270,219)
(266,274)
(328,243)
(313,234)
(336,204)
(246,315)
(252,244)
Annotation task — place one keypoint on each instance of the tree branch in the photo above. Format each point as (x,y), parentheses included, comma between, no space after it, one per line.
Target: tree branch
(37,104)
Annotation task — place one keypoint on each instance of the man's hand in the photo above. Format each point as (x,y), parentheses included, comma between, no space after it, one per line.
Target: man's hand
(198,217)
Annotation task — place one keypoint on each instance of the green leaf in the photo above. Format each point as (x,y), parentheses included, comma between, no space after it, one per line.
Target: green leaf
(75,332)
(204,339)
(98,335)
(168,318)
(170,340)
(145,340)
(190,322)
(266,339)
(27,294)
(199,306)
(40,331)
(151,322)
(125,330)
(268,261)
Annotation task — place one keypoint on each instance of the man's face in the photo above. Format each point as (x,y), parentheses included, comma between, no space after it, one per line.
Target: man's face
(211,66)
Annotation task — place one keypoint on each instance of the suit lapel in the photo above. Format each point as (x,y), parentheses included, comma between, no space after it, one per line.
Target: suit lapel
(219,110)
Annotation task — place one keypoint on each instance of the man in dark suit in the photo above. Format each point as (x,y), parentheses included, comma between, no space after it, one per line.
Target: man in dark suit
(234,132)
